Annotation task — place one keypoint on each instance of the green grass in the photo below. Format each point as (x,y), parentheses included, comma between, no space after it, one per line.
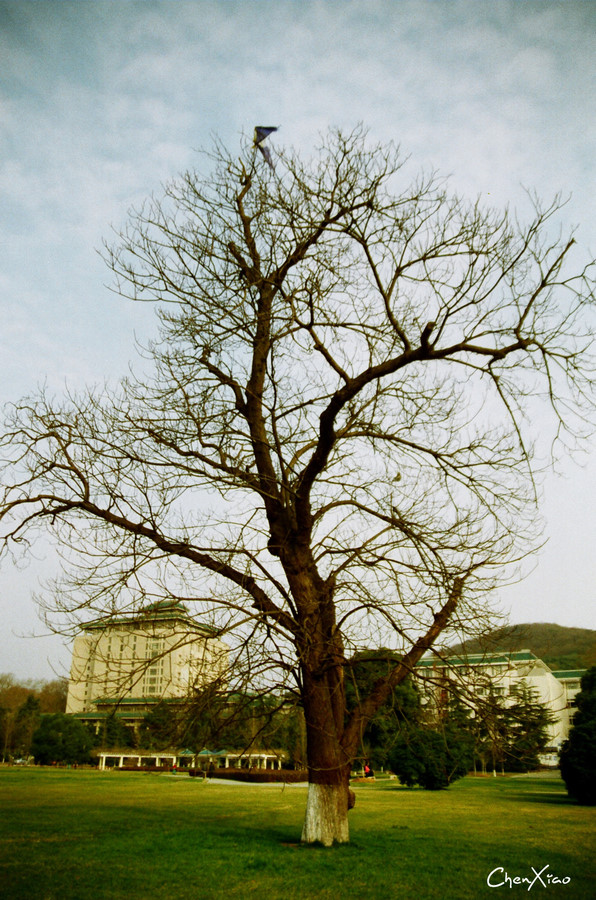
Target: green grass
(78,834)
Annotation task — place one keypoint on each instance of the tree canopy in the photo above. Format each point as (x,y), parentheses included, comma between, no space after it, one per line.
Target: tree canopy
(21,705)
(578,754)
(401,707)
(431,757)
(332,444)
(61,739)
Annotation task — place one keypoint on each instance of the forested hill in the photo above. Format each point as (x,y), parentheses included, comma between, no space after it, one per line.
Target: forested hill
(558,646)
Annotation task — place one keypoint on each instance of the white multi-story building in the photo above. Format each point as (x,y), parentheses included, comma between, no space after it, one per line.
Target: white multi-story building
(503,675)
(130,663)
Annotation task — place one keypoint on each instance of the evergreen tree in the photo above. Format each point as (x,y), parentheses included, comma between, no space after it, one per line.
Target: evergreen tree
(434,756)
(21,704)
(401,707)
(510,732)
(159,730)
(244,721)
(113,733)
(27,720)
(528,736)
(61,739)
(578,755)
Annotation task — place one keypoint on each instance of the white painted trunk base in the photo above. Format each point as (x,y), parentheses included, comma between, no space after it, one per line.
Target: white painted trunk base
(326,819)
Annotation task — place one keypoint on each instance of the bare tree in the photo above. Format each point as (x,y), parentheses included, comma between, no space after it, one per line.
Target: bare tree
(333,446)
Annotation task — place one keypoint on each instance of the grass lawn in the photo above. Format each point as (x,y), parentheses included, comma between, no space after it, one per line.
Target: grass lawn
(78,834)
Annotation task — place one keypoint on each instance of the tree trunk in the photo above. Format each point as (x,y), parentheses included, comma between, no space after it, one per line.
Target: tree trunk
(328,801)
(326,819)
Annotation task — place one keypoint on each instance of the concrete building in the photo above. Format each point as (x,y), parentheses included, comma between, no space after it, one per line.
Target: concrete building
(128,664)
(569,681)
(502,675)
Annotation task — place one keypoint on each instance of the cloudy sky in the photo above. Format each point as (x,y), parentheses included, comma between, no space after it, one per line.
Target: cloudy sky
(103,101)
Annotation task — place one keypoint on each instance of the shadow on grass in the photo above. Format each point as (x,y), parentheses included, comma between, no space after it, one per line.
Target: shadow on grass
(410,791)
(387,786)
(554,799)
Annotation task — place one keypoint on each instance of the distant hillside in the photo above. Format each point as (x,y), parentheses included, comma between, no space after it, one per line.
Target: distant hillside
(559,647)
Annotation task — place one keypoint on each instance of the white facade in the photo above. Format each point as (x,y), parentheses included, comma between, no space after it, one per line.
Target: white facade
(502,675)
(159,654)
(570,684)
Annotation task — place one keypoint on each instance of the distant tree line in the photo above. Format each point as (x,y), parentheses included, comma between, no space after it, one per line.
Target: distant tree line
(430,745)
(425,744)
(22,704)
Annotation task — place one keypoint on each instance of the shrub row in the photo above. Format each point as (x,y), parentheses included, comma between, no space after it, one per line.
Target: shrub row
(257,776)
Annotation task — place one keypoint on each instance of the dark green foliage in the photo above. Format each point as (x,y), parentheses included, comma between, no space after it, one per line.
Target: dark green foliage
(282,728)
(21,704)
(209,718)
(18,720)
(61,739)
(403,705)
(27,720)
(510,733)
(527,732)
(490,728)
(578,755)
(431,758)
(268,722)
(159,728)
(234,722)
(113,733)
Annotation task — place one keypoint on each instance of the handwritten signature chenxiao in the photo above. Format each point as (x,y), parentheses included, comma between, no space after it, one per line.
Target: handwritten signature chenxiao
(500,878)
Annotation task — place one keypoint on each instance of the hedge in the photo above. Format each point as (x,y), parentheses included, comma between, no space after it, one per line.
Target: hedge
(256,776)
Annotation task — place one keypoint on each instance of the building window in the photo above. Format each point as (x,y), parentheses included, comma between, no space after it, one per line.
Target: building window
(153,678)
(154,647)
